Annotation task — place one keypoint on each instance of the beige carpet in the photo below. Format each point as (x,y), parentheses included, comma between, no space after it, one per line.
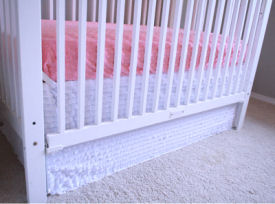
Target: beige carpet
(230,167)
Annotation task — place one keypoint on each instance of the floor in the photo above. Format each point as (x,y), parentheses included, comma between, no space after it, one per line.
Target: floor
(235,166)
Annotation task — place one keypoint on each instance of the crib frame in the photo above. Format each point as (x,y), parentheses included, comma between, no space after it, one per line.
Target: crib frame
(21,88)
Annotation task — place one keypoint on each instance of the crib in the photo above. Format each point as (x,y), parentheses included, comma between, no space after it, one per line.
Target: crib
(130,78)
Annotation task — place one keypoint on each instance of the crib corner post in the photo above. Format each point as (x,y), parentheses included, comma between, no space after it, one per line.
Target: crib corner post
(240,113)
(253,63)
(31,94)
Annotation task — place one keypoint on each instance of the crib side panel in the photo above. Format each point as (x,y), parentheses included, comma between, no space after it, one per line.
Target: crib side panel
(9,73)
(197,65)
(250,67)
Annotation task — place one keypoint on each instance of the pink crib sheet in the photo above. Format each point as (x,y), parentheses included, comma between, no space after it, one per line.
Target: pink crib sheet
(49,50)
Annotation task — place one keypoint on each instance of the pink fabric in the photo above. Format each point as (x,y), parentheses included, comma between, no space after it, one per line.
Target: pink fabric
(71,44)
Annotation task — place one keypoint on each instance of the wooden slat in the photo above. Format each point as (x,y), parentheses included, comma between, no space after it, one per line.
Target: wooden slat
(93,10)
(112,10)
(161,51)
(51,9)
(201,15)
(14,71)
(117,59)
(17,70)
(2,89)
(147,55)
(195,14)
(60,39)
(225,32)
(134,55)
(81,61)
(158,12)
(144,12)
(171,14)
(218,24)
(173,51)
(238,32)
(73,10)
(129,11)
(251,12)
(8,56)
(209,22)
(249,47)
(100,60)
(4,58)
(184,51)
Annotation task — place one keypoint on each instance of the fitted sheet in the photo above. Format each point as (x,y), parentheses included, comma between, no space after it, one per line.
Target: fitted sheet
(71,47)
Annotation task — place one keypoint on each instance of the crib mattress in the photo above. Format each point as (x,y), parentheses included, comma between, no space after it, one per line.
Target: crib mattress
(71,47)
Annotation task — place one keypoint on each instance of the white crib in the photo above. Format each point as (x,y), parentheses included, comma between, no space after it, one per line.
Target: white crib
(226,38)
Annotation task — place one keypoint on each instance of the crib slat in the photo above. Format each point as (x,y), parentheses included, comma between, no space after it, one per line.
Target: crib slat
(8,56)
(161,50)
(218,24)
(252,8)
(13,58)
(117,60)
(17,64)
(239,31)
(100,60)
(81,61)
(225,32)
(51,5)
(171,14)
(2,84)
(129,11)
(147,55)
(201,14)
(16,70)
(134,55)
(144,12)
(195,14)
(72,9)
(173,51)
(158,12)
(112,10)
(60,42)
(4,57)
(209,20)
(93,10)
(249,47)
(184,51)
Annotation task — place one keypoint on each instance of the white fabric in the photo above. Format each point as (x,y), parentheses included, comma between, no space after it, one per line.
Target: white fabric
(50,97)
(84,163)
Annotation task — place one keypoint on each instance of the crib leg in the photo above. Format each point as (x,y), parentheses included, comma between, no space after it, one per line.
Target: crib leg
(30,58)
(240,114)
(257,46)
